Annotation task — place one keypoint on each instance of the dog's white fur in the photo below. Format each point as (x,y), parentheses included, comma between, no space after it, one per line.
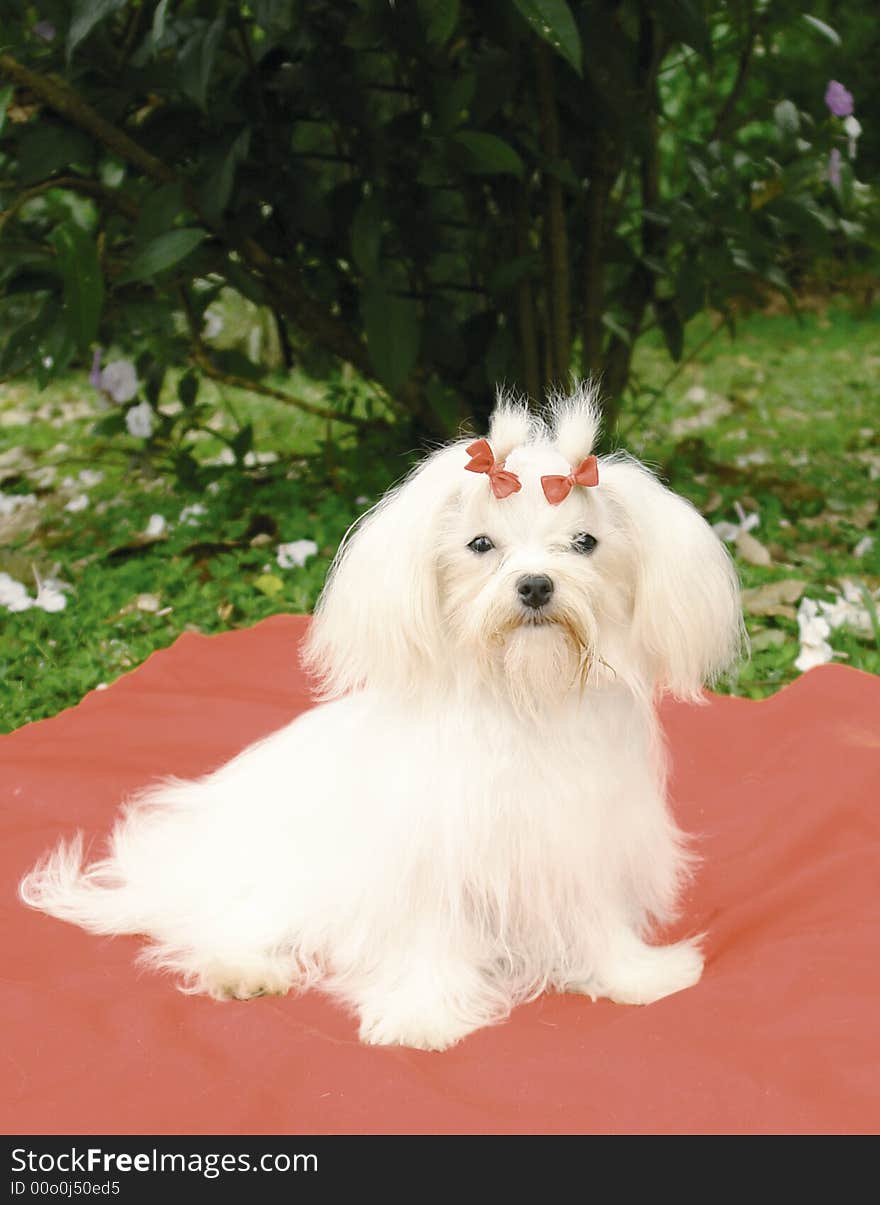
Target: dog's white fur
(477,810)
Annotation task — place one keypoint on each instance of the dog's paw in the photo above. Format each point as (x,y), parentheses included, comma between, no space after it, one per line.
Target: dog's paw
(640,974)
(244,991)
(431,1004)
(419,1033)
(411,1019)
(231,980)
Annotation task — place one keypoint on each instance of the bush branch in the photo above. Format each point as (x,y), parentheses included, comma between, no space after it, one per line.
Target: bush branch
(89,188)
(207,366)
(290,295)
(202,358)
(726,112)
(59,96)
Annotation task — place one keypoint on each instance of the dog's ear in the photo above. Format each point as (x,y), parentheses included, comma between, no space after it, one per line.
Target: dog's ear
(378,619)
(687,618)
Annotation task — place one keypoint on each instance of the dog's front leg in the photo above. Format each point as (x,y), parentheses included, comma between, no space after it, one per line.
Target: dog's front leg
(426,997)
(628,970)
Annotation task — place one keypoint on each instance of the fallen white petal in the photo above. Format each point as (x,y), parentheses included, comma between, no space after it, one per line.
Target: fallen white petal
(15,460)
(813,627)
(848,610)
(79,502)
(851,592)
(812,655)
(70,411)
(15,418)
(45,476)
(759,456)
(726,531)
(10,503)
(50,599)
(816,618)
(747,521)
(192,514)
(707,417)
(295,554)
(157,525)
(14,595)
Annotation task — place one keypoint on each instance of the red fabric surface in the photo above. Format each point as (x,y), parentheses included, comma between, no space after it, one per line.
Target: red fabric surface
(781,1035)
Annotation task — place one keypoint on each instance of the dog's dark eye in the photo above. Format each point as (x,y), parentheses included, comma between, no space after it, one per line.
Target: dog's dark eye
(481,544)
(584,542)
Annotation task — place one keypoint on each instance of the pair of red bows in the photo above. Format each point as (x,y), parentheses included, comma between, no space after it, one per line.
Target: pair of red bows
(503,483)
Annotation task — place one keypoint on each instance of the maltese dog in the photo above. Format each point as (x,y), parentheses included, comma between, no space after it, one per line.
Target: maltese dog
(476,811)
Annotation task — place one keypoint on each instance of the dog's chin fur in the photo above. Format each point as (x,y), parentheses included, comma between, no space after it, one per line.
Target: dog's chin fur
(477,810)
(543,661)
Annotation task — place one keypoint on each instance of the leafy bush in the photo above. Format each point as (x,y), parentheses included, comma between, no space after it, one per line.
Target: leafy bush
(440,194)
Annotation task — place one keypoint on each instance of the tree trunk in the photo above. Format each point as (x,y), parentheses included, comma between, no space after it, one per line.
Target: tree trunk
(558,288)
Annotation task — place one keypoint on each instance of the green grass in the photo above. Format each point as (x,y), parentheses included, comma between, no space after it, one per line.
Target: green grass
(793,432)
(214,572)
(789,428)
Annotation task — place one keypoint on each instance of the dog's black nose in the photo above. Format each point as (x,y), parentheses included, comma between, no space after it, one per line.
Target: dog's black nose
(534,590)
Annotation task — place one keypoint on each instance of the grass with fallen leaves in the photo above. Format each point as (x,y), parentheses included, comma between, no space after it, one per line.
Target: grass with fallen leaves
(781,424)
(778,433)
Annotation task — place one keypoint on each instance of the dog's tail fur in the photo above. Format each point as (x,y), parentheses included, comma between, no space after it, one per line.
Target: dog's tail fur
(61,885)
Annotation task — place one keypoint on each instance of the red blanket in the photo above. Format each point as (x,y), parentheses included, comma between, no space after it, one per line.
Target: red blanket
(781,1035)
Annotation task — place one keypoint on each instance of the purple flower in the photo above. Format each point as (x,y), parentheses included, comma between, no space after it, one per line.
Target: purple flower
(95,374)
(119,381)
(834,161)
(45,31)
(139,420)
(838,100)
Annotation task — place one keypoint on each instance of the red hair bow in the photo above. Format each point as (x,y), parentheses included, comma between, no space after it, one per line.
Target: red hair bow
(557,489)
(482,460)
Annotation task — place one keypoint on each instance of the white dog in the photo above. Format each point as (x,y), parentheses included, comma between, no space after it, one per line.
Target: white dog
(477,811)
